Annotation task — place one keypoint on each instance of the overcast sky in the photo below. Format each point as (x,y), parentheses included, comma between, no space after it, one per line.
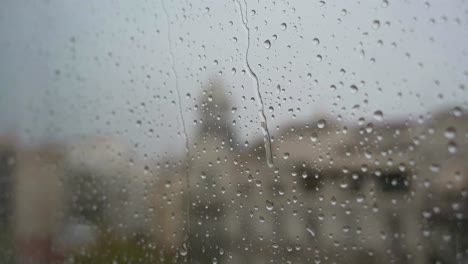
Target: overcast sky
(82,68)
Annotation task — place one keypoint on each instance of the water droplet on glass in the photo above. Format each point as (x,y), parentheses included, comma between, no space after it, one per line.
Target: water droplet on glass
(269,205)
(310,231)
(450,133)
(378,115)
(360,198)
(321,123)
(313,137)
(315,41)
(452,148)
(283,26)
(434,168)
(376,24)
(183,250)
(457,111)
(267,44)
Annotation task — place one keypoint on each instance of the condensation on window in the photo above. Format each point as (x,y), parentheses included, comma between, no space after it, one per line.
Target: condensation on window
(234,131)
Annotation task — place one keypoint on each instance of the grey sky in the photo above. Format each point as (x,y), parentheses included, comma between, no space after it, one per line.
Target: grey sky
(78,67)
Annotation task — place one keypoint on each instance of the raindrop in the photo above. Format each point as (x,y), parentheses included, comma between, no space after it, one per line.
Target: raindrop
(354,88)
(267,44)
(434,168)
(310,231)
(313,137)
(286,155)
(457,111)
(450,133)
(376,24)
(283,26)
(378,115)
(315,41)
(269,205)
(321,123)
(360,198)
(452,148)
(183,250)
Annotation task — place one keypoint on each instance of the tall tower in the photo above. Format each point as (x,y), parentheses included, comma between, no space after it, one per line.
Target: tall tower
(215,119)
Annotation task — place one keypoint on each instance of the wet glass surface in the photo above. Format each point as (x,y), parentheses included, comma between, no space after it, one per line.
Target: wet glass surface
(233,132)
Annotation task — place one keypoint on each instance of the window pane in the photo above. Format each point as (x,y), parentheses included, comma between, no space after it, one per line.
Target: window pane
(233,132)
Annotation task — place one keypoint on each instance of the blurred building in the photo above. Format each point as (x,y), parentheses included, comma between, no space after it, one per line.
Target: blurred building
(7,172)
(374,192)
(38,202)
(107,184)
(67,195)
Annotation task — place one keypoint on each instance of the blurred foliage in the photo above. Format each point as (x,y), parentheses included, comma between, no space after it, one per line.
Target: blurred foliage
(85,196)
(6,246)
(111,249)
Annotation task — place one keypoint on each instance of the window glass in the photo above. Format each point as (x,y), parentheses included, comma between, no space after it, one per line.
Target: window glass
(233,131)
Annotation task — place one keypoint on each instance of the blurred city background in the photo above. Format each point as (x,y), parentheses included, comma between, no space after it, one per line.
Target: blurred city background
(371,193)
